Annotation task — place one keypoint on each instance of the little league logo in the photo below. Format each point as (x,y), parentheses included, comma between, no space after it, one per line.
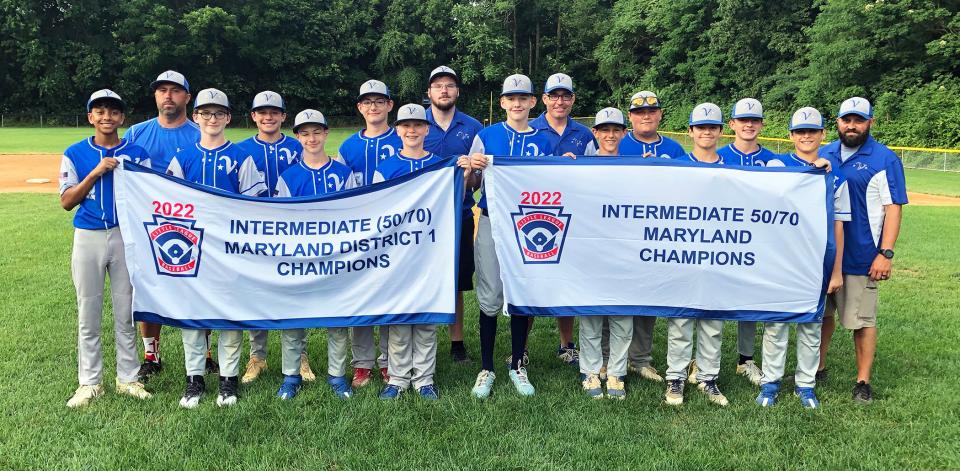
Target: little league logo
(540,232)
(176,245)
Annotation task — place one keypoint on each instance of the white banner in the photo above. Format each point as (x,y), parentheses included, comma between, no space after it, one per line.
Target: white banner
(630,236)
(203,258)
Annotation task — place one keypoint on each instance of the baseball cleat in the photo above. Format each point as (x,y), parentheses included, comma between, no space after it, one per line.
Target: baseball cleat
(384,375)
(591,386)
(133,389)
(289,387)
(193,392)
(340,386)
(522,382)
(647,372)
(863,393)
(822,376)
(84,394)
(713,392)
(768,394)
(361,377)
(211,367)
(569,355)
(616,389)
(458,353)
(390,392)
(255,366)
(484,384)
(808,398)
(603,373)
(674,394)
(692,376)
(305,371)
(429,392)
(147,369)
(526,359)
(228,391)
(752,372)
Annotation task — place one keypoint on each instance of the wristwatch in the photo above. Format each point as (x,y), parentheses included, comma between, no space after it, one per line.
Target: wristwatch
(888,253)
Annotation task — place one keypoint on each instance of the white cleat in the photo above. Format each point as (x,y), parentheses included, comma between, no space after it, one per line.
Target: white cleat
(133,389)
(84,395)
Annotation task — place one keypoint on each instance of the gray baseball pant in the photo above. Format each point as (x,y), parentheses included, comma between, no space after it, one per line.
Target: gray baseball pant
(680,347)
(195,347)
(364,350)
(591,350)
(776,336)
(413,355)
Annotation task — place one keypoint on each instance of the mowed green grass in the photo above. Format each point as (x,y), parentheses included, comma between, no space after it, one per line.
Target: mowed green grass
(55,140)
(912,424)
(933,182)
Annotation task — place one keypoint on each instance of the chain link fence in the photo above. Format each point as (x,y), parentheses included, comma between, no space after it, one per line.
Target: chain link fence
(239,120)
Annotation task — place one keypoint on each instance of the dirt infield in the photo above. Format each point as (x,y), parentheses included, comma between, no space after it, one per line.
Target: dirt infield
(16,169)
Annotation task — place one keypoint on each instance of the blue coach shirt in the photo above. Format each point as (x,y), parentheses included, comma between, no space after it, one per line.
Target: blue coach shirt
(162,143)
(272,159)
(502,140)
(97,211)
(663,147)
(398,166)
(227,167)
(302,180)
(455,141)
(874,176)
(363,154)
(733,156)
(576,138)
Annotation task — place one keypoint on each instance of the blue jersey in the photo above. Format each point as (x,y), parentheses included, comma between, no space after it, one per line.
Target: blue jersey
(303,180)
(363,154)
(272,159)
(576,138)
(97,210)
(455,141)
(664,147)
(227,167)
(874,176)
(162,143)
(398,166)
(841,193)
(501,140)
(733,156)
(689,157)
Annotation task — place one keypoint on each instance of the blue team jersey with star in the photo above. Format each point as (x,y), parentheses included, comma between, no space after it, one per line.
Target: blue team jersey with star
(162,143)
(98,210)
(875,179)
(302,180)
(576,138)
(398,166)
(227,167)
(664,147)
(733,156)
(272,159)
(363,154)
(501,140)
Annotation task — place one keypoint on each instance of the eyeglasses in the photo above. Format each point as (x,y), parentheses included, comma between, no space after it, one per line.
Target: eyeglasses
(639,101)
(206,115)
(443,86)
(564,98)
(378,102)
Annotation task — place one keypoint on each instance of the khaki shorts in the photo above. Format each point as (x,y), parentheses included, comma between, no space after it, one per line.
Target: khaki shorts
(856,301)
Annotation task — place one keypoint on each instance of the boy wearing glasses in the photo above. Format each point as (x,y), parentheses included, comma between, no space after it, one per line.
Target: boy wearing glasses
(451,134)
(216,162)
(363,152)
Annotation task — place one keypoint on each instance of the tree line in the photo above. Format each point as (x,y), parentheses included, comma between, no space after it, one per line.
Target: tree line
(902,55)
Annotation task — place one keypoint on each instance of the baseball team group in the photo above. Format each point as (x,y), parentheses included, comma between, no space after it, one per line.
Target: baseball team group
(869,193)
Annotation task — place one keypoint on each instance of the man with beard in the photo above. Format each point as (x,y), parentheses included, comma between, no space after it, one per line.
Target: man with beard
(451,134)
(874,175)
(162,137)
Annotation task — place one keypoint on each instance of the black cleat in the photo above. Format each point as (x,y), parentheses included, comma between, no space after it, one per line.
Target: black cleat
(211,367)
(147,369)
(863,393)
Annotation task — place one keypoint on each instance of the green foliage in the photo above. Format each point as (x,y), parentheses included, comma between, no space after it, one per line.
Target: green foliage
(788,54)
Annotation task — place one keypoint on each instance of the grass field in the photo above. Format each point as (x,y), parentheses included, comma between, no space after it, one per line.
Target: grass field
(913,423)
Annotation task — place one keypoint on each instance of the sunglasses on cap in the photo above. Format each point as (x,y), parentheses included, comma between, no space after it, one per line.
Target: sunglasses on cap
(642,101)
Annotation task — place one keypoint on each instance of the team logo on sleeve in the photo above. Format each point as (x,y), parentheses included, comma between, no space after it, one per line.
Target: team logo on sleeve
(176,245)
(540,232)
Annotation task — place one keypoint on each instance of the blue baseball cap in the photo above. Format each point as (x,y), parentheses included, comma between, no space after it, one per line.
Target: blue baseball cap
(104,95)
(517,84)
(268,99)
(806,118)
(747,108)
(171,76)
(559,82)
(211,96)
(706,113)
(309,116)
(856,105)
